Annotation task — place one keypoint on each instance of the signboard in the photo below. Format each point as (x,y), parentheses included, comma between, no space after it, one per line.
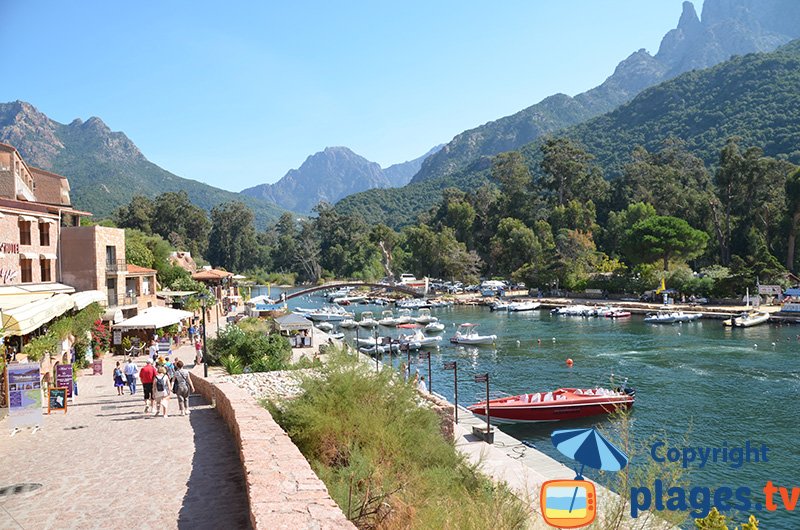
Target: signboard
(424,355)
(482,378)
(770,289)
(24,394)
(56,399)
(64,378)
(117,339)
(451,365)
(97,367)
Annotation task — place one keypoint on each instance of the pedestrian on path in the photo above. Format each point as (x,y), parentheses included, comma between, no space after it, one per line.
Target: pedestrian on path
(421,386)
(182,387)
(118,382)
(147,375)
(130,374)
(161,391)
(198,349)
(153,350)
(192,332)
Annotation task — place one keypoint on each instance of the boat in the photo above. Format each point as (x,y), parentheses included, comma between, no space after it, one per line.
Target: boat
(337,336)
(664,317)
(619,313)
(404,317)
(324,326)
(747,319)
(367,320)
(434,327)
(329,314)
(347,300)
(348,323)
(416,339)
(561,404)
(387,319)
(572,310)
(425,316)
(523,306)
(466,334)
(413,303)
(500,305)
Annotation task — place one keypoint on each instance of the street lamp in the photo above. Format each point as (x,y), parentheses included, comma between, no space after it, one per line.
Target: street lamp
(203,298)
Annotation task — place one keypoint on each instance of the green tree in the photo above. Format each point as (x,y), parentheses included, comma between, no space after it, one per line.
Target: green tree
(232,242)
(513,246)
(663,237)
(515,180)
(568,172)
(182,223)
(618,223)
(136,214)
(793,204)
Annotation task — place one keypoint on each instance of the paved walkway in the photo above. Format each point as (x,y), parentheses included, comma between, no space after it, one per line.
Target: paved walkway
(106,464)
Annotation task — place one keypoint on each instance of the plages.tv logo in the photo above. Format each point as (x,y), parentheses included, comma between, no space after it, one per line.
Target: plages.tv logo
(573,503)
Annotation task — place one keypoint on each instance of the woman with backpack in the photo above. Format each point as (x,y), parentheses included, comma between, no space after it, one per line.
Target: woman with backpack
(182,387)
(161,391)
(118,382)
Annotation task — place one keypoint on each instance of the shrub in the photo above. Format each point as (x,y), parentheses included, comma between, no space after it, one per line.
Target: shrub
(232,364)
(256,351)
(382,456)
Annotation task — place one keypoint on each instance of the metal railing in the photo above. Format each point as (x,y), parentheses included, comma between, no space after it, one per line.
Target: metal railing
(119,265)
(115,300)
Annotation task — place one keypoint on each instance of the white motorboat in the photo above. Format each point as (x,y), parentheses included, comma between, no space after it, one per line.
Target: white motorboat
(367,320)
(662,317)
(329,314)
(324,326)
(387,319)
(572,310)
(413,303)
(434,327)
(523,306)
(404,317)
(348,323)
(416,339)
(347,300)
(500,305)
(747,319)
(466,334)
(425,317)
(337,336)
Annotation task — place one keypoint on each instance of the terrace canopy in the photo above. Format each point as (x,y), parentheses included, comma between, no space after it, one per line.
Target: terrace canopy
(154,318)
(31,316)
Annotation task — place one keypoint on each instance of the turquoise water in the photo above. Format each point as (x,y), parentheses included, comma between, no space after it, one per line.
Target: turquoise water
(700,382)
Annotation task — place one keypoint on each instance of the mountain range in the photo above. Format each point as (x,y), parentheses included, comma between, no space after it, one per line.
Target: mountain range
(332,174)
(727,28)
(105,169)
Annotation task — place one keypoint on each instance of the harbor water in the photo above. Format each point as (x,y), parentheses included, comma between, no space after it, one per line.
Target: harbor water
(698,384)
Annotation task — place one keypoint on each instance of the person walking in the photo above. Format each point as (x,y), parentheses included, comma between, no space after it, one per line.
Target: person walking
(130,371)
(182,387)
(421,386)
(118,382)
(198,349)
(192,331)
(161,392)
(147,375)
(153,351)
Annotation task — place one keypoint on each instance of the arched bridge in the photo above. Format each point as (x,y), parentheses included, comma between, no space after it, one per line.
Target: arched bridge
(338,285)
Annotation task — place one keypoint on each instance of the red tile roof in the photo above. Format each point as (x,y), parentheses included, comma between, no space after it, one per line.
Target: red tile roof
(135,269)
(211,274)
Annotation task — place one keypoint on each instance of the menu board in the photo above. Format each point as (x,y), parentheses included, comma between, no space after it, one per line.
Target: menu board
(97,367)
(24,394)
(64,378)
(56,399)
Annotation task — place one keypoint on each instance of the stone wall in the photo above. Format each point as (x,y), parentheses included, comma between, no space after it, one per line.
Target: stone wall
(445,410)
(282,489)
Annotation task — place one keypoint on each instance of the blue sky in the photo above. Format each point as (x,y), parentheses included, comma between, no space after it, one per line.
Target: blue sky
(236,93)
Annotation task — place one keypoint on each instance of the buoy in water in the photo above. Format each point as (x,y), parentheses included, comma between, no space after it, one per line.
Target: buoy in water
(539,341)
(570,363)
(554,339)
(755,346)
(517,343)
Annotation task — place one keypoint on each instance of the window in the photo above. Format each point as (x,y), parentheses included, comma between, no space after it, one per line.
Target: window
(44,234)
(44,265)
(24,232)
(26,270)
(111,257)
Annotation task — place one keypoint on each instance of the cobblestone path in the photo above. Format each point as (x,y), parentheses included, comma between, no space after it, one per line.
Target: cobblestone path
(107,464)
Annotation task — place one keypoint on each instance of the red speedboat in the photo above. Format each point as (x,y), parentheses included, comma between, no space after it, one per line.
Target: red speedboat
(618,314)
(561,404)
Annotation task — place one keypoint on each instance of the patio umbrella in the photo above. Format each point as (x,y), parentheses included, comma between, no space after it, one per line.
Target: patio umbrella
(590,448)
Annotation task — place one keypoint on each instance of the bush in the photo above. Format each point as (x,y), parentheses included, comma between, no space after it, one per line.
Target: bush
(383,458)
(232,364)
(256,350)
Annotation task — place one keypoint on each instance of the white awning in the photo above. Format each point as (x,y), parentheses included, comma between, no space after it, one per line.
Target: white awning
(154,318)
(29,218)
(47,255)
(12,296)
(29,255)
(29,317)
(84,298)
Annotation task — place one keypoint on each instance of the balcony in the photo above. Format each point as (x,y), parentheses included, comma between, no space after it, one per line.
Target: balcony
(116,266)
(24,193)
(114,300)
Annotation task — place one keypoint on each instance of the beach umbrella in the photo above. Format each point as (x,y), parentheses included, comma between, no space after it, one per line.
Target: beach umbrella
(590,448)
